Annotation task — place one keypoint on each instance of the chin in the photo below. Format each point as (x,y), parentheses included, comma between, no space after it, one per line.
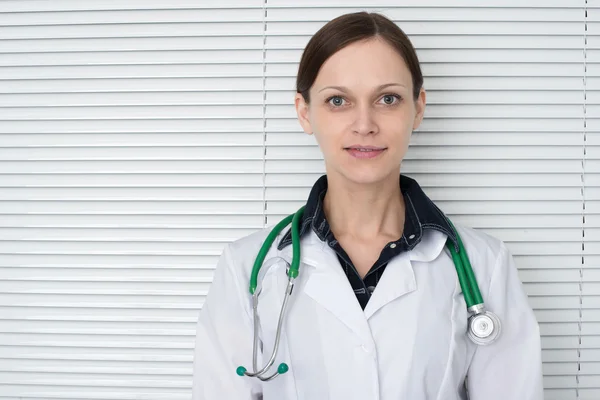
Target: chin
(367,175)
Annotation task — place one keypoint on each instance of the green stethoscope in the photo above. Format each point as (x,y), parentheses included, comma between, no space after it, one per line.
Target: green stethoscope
(484,326)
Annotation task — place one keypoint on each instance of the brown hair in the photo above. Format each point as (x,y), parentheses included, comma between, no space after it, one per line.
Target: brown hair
(347,29)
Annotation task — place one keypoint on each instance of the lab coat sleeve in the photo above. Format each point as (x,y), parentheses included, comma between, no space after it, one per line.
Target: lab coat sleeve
(224,339)
(510,368)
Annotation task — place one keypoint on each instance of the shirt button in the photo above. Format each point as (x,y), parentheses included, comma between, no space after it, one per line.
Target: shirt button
(411,237)
(393,245)
(371,289)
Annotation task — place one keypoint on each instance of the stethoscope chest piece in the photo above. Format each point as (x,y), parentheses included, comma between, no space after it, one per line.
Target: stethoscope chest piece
(484,328)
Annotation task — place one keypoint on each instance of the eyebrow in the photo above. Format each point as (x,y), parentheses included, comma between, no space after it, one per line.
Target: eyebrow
(345,89)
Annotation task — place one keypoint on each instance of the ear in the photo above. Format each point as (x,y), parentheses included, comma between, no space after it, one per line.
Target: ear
(420,107)
(302,109)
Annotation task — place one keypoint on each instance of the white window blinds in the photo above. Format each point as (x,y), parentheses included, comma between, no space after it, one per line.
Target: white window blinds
(131,151)
(138,137)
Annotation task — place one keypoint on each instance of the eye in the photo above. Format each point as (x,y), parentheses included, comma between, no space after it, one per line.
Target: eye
(335,101)
(388,99)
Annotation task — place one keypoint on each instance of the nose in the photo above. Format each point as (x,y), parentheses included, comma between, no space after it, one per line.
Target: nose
(364,121)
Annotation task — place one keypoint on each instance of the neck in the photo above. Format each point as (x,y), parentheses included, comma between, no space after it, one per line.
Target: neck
(365,212)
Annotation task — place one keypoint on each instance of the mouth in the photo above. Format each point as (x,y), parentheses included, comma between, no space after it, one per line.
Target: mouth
(365,151)
(364,148)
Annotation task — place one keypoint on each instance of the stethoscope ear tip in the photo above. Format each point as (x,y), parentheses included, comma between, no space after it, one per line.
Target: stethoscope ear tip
(283,368)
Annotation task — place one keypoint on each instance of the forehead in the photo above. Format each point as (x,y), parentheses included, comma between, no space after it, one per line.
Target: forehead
(366,63)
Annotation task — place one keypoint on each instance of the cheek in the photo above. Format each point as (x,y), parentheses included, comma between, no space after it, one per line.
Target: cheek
(328,130)
(326,142)
(399,125)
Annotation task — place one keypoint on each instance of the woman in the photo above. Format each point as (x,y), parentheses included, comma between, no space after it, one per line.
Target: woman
(377,311)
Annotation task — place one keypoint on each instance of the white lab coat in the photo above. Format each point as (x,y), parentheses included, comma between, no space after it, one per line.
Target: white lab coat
(410,342)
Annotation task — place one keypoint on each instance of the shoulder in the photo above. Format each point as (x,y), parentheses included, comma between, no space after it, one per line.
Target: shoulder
(251,244)
(480,243)
(489,256)
(244,250)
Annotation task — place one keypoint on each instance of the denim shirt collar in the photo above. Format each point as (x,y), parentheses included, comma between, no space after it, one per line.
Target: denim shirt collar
(421,213)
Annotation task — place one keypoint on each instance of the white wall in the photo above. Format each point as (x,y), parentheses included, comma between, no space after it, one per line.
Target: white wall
(138,137)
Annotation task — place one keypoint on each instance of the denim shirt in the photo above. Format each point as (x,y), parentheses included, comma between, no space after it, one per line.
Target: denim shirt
(421,213)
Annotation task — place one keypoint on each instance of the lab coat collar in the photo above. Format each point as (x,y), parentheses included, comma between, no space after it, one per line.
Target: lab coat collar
(313,249)
(430,247)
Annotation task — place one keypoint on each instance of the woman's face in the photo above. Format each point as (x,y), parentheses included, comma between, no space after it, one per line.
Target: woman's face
(362,111)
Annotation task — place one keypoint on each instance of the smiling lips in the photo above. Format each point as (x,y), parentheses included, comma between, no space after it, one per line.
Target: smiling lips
(358,151)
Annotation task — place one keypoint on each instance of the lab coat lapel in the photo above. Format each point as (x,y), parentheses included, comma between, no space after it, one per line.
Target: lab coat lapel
(398,279)
(327,285)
